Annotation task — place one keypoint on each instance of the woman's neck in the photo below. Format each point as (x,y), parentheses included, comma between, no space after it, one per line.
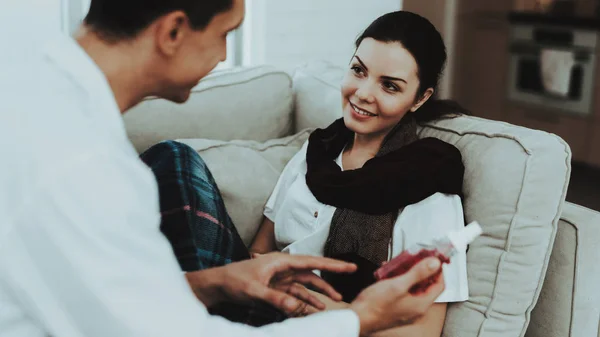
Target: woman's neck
(367,144)
(360,150)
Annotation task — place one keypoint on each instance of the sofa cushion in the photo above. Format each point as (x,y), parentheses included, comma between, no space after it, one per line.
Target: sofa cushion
(569,303)
(251,103)
(317,94)
(246,173)
(515,186)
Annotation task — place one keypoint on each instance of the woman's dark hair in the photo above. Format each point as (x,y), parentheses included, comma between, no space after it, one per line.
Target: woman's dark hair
(426,45)
(116,20)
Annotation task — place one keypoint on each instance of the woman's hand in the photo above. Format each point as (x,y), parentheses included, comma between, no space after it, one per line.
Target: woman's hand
(275,278)
(388,304)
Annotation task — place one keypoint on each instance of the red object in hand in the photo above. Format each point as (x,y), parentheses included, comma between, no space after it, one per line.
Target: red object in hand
(405,261)
(443,249)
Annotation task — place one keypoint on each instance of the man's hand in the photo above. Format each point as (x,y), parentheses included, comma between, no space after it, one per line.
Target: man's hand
(274,278)
(313,301)
(388,304)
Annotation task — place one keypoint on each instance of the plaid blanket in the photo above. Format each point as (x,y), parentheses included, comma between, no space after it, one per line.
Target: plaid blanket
(196,223)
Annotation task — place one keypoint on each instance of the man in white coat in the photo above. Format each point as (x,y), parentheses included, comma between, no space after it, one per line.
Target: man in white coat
(81,253)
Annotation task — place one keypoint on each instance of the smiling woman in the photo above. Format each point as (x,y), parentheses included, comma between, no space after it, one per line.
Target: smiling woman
(377,187)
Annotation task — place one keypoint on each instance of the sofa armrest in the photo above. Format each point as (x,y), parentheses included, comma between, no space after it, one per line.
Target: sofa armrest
(569,303)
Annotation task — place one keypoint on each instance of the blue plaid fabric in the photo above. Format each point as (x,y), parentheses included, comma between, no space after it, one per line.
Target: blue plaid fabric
(196,223)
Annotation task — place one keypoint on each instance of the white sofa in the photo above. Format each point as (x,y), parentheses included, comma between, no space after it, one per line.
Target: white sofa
(535,271)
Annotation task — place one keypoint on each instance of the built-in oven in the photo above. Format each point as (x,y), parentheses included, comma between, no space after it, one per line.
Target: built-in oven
(525,78)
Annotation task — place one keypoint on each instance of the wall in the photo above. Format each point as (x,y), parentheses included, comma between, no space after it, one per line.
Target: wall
(442,14)
(288,33)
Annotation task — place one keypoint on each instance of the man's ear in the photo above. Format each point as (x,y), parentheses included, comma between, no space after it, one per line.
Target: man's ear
(171,31)
(426,95)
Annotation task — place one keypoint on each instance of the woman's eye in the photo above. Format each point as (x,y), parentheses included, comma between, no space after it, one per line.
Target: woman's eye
(390,86)
(357,70)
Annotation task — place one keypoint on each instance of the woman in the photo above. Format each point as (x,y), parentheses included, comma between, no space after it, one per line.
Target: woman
(393,189)
(365,188)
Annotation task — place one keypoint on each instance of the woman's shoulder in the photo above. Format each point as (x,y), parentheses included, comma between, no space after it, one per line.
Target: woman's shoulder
(440,201)
(301,154)
(437,206)
(298,161)
(432,216)
(437,146)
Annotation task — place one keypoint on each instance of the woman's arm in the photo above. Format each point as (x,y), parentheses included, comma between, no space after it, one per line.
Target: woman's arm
(430,325)
(264,241)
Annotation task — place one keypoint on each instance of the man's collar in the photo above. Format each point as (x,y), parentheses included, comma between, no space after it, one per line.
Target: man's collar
(72,59)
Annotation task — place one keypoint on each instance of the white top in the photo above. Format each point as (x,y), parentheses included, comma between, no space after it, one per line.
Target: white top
(81,253)
(302,223)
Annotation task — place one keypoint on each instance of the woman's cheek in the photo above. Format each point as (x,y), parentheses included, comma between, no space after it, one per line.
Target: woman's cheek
(401,105)
(348,86)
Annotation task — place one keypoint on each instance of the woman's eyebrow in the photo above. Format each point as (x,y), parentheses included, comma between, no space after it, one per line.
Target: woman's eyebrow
(389,78)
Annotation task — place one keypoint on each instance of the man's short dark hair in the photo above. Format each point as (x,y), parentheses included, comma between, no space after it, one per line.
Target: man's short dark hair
(124,19)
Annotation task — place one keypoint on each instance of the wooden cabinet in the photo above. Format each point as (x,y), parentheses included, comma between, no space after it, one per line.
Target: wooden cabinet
(481,57)
(524,5)
(486,74)
(475,6)
(481,63)
(593,155)
(572,129)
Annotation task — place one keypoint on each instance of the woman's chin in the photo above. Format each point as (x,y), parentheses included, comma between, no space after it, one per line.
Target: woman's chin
(356,126)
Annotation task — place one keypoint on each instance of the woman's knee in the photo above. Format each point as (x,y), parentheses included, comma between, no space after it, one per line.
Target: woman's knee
(173,147)
(170,149)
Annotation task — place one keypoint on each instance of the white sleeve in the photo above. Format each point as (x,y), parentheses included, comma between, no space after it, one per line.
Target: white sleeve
(431,219)
(296,165)
(85,257)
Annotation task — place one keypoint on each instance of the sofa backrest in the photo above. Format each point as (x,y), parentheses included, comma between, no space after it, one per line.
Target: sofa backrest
(245,103)
(515,186)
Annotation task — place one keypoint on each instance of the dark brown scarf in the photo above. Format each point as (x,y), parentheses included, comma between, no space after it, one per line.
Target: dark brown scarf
(368,200)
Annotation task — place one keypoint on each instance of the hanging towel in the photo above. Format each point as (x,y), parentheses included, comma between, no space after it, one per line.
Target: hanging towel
(556,71)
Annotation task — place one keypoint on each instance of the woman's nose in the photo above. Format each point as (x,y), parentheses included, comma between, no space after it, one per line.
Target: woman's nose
(364,94)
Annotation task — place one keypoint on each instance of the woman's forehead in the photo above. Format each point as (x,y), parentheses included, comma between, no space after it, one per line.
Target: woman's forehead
(387,58)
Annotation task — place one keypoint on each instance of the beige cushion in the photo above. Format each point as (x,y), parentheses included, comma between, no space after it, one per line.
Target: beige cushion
(246,173)
(318,99)
(251,103)
(552,314)
(569,303)
(515,186)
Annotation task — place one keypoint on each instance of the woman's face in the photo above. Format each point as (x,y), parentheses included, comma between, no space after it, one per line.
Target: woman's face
(379,88)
